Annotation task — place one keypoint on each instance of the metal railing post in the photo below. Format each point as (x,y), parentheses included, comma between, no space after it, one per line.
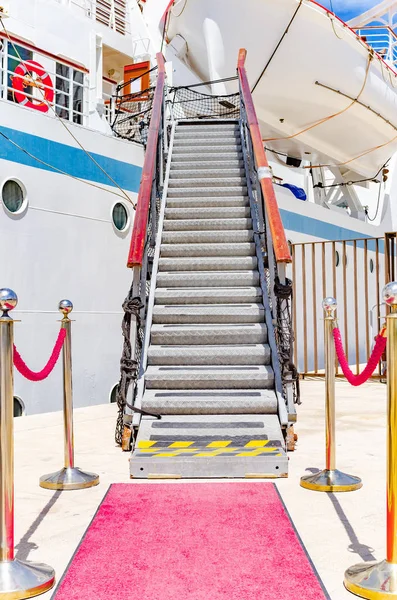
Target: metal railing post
(70,477)
(379,580)
(17,579)
(330,479)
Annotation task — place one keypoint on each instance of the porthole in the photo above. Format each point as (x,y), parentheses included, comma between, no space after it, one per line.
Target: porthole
(113,394)
(120,217)
(19,407)
(13,195)
(371,265)
(337,258)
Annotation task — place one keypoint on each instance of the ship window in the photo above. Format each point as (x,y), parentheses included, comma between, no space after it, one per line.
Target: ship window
(113,394)
(371,265)
(16,54)
(19,407)
(120,216)
(337,258)
(69,93)
(13,196)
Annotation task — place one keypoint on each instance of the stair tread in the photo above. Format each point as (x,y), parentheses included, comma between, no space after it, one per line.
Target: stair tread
(209,355)
(202,295)
(202,236)
(207,313)
(199,279)
(215,249)
(197,377)
(208,334)
(210,402)
(208,263)
(207,224)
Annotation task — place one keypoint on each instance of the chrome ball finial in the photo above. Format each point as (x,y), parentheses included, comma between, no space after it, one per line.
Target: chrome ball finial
(390,293)
(65,307)
(8,300)
(330,305)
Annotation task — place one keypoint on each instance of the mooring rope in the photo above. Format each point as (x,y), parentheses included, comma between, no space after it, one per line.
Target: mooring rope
(21,366)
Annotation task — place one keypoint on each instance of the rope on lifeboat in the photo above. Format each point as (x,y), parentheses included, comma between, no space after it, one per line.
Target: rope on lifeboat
(329,117)
(278,45)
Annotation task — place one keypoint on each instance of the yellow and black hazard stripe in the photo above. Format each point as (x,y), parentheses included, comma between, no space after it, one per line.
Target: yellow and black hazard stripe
(192,448)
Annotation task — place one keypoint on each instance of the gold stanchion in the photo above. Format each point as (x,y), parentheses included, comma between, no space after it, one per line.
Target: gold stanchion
(70,477)
(18,579)
(378,581)
(330,479)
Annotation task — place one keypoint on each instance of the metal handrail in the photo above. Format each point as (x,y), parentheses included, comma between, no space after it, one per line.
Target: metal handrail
(280,245)
(139,232)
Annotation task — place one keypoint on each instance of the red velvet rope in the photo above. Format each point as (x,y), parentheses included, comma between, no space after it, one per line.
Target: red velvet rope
(374,359)
(40,375)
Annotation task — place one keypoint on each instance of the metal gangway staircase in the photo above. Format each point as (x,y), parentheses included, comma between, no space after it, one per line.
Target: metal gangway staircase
(215,385)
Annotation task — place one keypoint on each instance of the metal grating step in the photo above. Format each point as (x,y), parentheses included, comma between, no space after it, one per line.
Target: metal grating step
(211,202)
(197,446)
(189,250)
(207,237)
(208,224)
(193,335)
(243,354)
(197,279)
(221,263)
(210,402)
(233,212)
(209,377)
(193,173)
(184,295)
(207,313)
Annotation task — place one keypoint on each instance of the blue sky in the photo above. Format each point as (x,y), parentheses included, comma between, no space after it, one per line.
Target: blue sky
(347,9)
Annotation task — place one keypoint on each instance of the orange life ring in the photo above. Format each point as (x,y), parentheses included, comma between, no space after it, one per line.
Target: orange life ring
(23,79)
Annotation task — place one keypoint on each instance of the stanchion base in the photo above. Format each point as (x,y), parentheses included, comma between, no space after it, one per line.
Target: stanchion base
(376,581)
(20,579)
(71,478)
(331,481)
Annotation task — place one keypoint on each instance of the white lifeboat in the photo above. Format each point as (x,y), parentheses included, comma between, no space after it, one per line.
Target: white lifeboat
(321,93)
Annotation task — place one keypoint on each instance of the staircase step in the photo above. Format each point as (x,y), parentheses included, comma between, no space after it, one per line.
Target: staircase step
(212,154)
(198,378)
(236,190)
(228,445)
(203,165)
(197,279)
(211,202)
(193,335)
(206,224)
(212,174)
(211,182)
(219,313)
(204,263)
(193,150)
(207,237)
(208,126)
(188,250)
(207,135)
(171,296)
(244,354)
(198,143)
(233,212)
(209,402)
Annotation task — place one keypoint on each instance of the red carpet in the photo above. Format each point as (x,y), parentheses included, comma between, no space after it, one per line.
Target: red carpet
(200,541)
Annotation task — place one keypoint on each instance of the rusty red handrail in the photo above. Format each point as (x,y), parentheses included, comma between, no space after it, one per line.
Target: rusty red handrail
(280,243)
(137,246)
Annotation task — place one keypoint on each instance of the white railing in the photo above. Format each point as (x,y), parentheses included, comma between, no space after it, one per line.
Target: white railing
(52,85)
(383,40)
(111,13)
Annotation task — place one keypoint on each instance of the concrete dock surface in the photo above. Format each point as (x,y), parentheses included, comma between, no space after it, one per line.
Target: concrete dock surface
(338,530)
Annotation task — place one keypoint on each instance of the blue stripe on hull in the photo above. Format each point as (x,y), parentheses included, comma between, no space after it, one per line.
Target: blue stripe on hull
(69,159)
